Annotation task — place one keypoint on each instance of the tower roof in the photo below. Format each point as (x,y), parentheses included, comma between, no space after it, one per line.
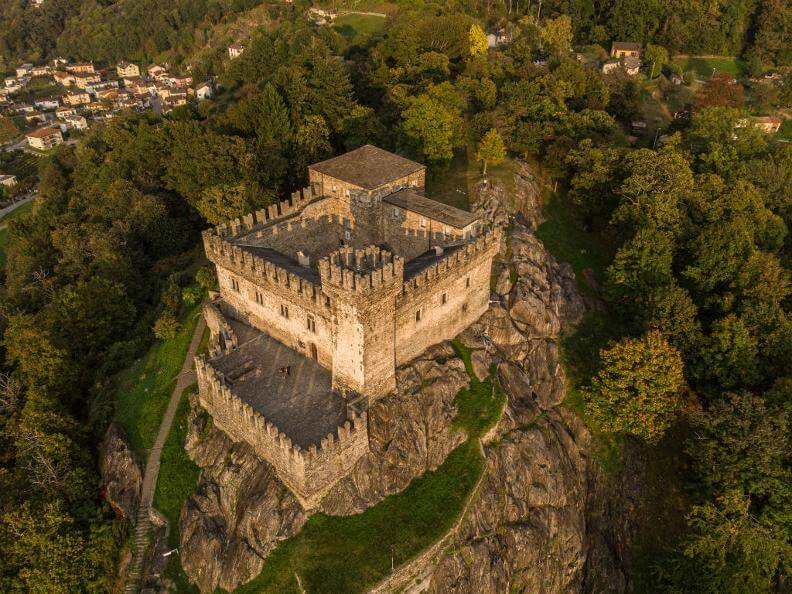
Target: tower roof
(368,167)
(409,199)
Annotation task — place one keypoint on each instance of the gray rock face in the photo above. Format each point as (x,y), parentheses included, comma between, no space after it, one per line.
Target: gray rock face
(526,530)
(409,432)
(122,473)
(237,514)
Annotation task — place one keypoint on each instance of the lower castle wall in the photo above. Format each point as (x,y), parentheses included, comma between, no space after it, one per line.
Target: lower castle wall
(309,474)
(266,316)
(439,321)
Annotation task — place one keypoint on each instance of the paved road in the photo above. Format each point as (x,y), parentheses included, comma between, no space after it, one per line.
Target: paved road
(17,204)
(185,378)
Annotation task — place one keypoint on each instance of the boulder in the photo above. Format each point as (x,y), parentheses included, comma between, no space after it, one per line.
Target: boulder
(122,473)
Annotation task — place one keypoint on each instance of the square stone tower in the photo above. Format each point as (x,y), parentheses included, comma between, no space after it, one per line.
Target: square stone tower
(363,284)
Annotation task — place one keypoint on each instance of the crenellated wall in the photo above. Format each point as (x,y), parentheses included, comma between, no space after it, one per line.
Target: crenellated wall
(289,308)
(450,295)
(309,473)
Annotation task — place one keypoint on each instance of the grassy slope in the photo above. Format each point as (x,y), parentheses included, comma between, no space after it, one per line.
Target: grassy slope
(145,388)
(703,66)
(347,554)
(19,212)
(363,26)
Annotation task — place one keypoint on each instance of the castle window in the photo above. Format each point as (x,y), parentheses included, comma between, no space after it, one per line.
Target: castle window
(417,316)
(423,222)
(347,235)
(259,298)
(235,284)
(311,323)
(285,311)
(444,298)
(467,282)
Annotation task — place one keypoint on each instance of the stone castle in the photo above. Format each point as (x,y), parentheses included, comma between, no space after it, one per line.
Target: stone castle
(322,297)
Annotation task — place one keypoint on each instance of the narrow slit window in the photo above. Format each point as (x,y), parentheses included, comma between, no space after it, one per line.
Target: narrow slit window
(311,323)
(444,298)
(417,316)
(467,282)
(285,311)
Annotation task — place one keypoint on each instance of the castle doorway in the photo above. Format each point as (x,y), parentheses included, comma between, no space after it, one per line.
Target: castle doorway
(314,352)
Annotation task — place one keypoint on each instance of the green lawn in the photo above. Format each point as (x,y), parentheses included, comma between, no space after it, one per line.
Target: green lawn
(564,237)
(177,478)
(703,66)
(4,230)
(354,26)
(785,132)
(335,554)
(144,388)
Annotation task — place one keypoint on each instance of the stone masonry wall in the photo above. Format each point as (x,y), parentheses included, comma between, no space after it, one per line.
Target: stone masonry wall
(450,296)
(310,473)
(257,290)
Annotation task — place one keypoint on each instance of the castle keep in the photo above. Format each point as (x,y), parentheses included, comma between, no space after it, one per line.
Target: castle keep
(321,297)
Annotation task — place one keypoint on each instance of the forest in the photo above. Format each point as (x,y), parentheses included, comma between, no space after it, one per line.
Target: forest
(149,31)
(698,340)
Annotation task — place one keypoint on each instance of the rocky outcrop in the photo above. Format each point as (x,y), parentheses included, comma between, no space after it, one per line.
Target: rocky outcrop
(527,528)
(122,473)
(237,514)
(410,432)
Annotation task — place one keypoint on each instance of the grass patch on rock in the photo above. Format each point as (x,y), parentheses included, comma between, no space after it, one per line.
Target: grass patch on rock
(144,389)
(349,553)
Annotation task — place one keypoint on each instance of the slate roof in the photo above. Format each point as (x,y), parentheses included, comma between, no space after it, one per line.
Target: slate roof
(368,167)
(409,199)
(626,46)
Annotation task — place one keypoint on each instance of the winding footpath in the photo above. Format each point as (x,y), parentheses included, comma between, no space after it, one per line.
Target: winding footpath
(185,379)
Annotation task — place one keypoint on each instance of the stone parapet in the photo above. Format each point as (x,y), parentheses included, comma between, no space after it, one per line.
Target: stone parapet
(309,473)
(484,246)
(259,270)
(267,216)
(361,271)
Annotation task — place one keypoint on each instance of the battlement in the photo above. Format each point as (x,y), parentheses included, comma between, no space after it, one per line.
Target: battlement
(308,472)
(361,271)
(267,216)
(259,269)
(483,246)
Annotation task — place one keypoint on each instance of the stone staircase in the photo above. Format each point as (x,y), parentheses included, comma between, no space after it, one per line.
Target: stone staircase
(142,528)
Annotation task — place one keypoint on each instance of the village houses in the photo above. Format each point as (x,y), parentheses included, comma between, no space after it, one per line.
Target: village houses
(44,138)
(127,69)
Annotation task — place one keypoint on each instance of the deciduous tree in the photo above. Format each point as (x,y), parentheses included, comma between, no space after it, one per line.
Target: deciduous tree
(638,388)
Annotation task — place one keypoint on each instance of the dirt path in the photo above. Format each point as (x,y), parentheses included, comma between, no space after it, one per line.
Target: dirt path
(185,378)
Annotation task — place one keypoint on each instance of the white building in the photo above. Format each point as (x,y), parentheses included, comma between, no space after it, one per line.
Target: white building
(8,181)
(203,91)
(125,69)
(44,138)
(24,70)
(235,50)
